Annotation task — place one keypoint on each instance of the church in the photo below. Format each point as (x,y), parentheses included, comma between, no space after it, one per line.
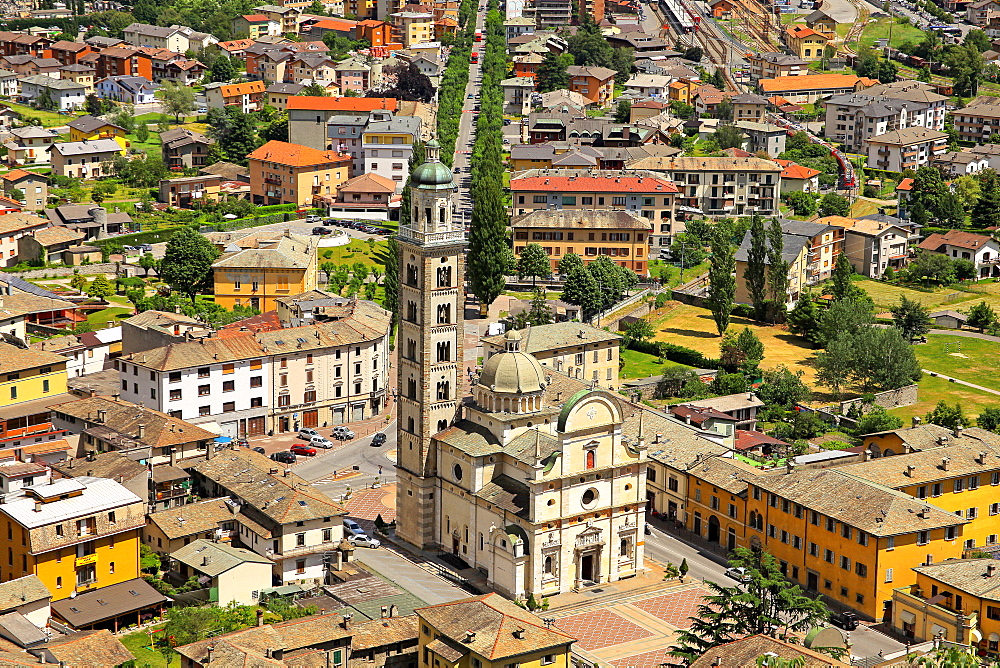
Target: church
(537,480)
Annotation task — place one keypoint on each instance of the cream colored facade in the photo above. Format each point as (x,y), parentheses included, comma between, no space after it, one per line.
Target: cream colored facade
(415,27)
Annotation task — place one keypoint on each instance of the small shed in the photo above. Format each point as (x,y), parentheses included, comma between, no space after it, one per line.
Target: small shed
(949,319)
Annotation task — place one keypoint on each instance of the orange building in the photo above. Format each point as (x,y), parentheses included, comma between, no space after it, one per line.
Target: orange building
(597,84)
(119,60)
(378,33)
(283,173)
(527,65)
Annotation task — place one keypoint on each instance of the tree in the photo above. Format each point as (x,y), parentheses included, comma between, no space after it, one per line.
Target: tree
(568,262)
(391,283)
(845,315)
(947,416)
(640,330)
(94,105)
(833,204)
(777,266)
(177,100)
(552,74)
(729,136)
(981,316)
(989,419)
(742,351)
(534,262)
(124,118)
(802,203)
(842,276)
(910,318)
(729,383)
(764,603)
(782,387)
(580,289)
(687,250)
(538,312)
(316,8)
(222,71)
(986,210)
(147,262)
(411,84)
(78,282)
(142,133)
(100,288)
(187,263)
(623,111)
(44,101)
(804,320)
(873,358)
(931,267)
(876,420)
(722,280)
(16,194)
(754,275)
(234,131)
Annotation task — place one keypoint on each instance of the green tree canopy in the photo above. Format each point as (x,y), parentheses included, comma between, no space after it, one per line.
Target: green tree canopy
(947,416)
(722,280)
(187,263)
(534,263)
(910,318)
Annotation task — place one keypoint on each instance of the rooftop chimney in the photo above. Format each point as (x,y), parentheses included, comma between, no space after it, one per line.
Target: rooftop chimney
(958,431)
(346,621)
(102,415)
(38,506)
(923,513)
(142,431)
(916,421)
(945,461)
(910,468)
(991,570)
(981,458)
(470,635)
(519,633)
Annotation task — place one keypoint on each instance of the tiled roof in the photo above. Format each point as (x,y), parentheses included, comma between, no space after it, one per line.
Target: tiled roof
(970,454)
(245,88)
(747,651)
(794,171)
(255,18)
(860,503)
(111,464)
(91,147)
(15,175)
(749,440)
(865,226)
(582,219)
(14,359)
(295,155)
(92,648)
(200,518)
(905,184)
(15,222)
(970,576)
(212,559)
(956,238)
(22,591)
(599,73)
(124,418)
(533,181)
(707,164)
(812,82)
(366,183)
(728,402)
(343,104)
(493,620)
(287,253)
(556,335)
(799,31)
(908,136)
(90,123)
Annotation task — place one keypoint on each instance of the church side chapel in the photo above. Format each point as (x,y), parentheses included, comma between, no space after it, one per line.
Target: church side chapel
(532,480)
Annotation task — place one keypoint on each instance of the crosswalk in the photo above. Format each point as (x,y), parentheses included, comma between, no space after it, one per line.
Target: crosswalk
(338,476)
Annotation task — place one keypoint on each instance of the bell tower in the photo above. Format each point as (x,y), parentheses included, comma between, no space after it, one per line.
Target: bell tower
(428,342)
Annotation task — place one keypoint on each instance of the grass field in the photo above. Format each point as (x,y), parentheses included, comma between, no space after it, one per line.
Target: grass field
(48,119)
(109,316)
(959,299)
(138,644)
(356,251)
(644,365)
(934,389)
(879,29)
(976,363)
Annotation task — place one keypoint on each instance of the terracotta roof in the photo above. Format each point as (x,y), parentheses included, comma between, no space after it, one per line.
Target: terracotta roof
(813,82)
(341,103)
(366,183)
(581,219)
(255,18)
(200,518)
(14,359)
(969,576)
(123,417)
(531,181)
(799,31)
(699,416)
(749,440)
(295,155)
(494,621)
(18,174)
(242,88)
(746,651)
(94,648)
(794,171)
(958,238)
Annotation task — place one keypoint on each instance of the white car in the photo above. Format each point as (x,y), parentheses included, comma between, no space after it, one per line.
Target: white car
(739,574)
(363,540)
(318,441)
(308,434)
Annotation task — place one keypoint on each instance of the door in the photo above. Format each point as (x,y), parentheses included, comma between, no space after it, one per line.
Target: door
(713,529)
(731,540)
(283,424)
(256,426)
(358,413)
(310,418)
(650,497)
(454,545)
(812,581)
(697,523)
(587,567)
(338,415)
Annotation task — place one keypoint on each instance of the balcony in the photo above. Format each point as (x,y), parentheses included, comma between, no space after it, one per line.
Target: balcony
(272,180)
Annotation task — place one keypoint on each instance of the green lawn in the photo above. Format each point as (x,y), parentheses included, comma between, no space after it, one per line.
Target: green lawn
(933,390)
(356,251)
(879,29)
(885,295)
(972,360)
(138,644)
(112,315)
(644,365)
(48,119)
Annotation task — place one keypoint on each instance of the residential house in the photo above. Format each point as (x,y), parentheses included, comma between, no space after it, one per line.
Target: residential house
(706,100)
(773,65)
(822,23)
(130,474)
(872,246)
(255,25)
(980,12)
(387,144)
(805,42)
(258,275)
(639,111)
(247,97)
(69,53)
(88,127)
(287,16)
(376,33)
(645,193)
(196,379)
(596,84)
(9,85)
(87,352)
(516,26)
(277,94)
(960,163)
(648,85)
(763,137)
(353,74)
(517,94)
(14,226)
(742,408)
(133,601)
(171,528)
(66,95)
(182,148)
(808,88)
(982,251)
(127,88)
(30,375)
(173,38)
(28,597)
(576,349)
(308,119)
(183,192)
(79,74)
(29,145)
(414,27)
(233,575)
(236,48)
(796,178)
(33,187)
(300,525)
(84,159)
(810,249)
(91,220)
(29,65)
(154,329)
(121,61)
(749,107)
(50,244)
(910,148)
(527,65)
(282,173)
(367,192)
(623,236)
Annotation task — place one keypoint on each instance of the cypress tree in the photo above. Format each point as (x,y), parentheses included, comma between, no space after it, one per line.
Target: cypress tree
(754,274)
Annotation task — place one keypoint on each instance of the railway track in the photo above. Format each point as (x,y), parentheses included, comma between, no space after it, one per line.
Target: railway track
(854,34)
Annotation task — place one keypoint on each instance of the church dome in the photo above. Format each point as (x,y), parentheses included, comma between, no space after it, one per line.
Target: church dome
(513,372)
(433,173)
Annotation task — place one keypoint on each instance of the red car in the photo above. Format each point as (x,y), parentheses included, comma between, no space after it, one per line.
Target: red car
(300,449)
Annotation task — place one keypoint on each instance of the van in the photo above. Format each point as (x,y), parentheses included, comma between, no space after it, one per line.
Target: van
(352,528)
(845,620)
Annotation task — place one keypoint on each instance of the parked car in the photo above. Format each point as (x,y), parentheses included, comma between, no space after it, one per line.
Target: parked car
(313,219)
(364,540)
(352,528)
(306,433)
(146,248)
(343,433)
(285,457)
(259,449)
(303,449)
(329,221)
(318,441)
(320,231)
(739,574)
(845,620)
(379,440)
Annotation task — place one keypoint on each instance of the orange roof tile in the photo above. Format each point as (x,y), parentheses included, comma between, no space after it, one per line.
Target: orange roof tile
(800,31)
(15,174)
(242,88)
(794,171)
(341,103)
(236,44)
(639,184)
(256,18)
(905,184)
(335,24)
(813,82)
(296,155)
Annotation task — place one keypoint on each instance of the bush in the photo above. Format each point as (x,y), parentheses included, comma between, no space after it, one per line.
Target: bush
(675,353)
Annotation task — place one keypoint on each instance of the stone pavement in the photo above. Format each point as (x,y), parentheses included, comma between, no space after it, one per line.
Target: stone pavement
(367,504)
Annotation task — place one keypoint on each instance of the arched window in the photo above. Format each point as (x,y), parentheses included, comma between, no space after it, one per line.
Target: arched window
(443,390)
(411,349)
(411,311)
(444,277)
(623,548)
(409,425)
(444,314)
(411,274)
(591,459)
(411,388)
(442,425)
(547,566)
(444,351)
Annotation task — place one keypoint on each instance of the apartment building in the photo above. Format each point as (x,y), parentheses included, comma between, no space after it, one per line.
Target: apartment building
(648,194)
(354,74)
(872,246)
(271,268)
(287,17)
(979,120)
(29,145)
(247,96)
(576,349)
(846,537)
(76,534)
(122,61)
(720,186)
(283,173)
(596,84)
(176,38)
(28,375)
(84,159)
(811,250)
(909,148)
(184,149)
(854,118)
(387,145)
(290,522)
(771,65)
(66,95)
(622,236)
(254,26)
(308,119)
(414,27)
(327,373)
(69,53)
(33,186)
(805,42)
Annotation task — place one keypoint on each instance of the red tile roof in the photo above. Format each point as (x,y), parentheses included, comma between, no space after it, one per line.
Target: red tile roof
(955,238)
(751,440)
(794,171)
(295,155)
(905,184)
(813,82)
(800,31)
(16,174)
(340,103)
(635,184)
(336,24)
(255,18)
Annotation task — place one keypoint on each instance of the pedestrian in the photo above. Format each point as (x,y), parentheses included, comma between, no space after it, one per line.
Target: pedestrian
(380,469)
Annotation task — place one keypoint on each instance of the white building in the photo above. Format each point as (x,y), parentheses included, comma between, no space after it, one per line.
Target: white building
(66,95)
(648,85)
(388,144)
(85,353)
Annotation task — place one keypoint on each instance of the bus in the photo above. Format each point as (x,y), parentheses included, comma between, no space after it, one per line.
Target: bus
(479,35)
(475,57)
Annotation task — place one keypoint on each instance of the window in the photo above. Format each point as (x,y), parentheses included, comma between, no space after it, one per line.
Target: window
(862,538)
(204,410)
(204,371)
(973,482)
(936,489)
(548,659)
(831,524)
(300,540)
(861,570)
(203,390)
(923,538)
(309,396)
(284,400)
(828,556)
(972,513)
(175,395)
(890,543)
(256,381)
(256,402)
(959,484)
(845,530)
(845,563)
(300,566)
(229,407)
(949,533)
(229,386)
(256,365)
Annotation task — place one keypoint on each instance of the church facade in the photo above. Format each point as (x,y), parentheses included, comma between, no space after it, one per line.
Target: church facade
(533,480)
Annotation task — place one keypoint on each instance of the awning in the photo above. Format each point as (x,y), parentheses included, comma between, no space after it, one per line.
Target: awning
(976,635)
(223,440)
(907,617)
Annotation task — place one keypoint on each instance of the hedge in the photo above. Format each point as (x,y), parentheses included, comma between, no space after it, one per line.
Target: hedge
(675,353)
(151,237)
(257,221)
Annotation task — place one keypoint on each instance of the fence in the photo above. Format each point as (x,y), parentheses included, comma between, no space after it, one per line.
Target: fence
(620,308)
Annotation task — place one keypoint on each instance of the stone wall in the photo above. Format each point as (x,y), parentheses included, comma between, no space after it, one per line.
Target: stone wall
(904,396)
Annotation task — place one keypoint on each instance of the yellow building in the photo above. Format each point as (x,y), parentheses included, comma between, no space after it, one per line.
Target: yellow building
(88,127)
(805,42)
(284,173)
(960,473)
(26,375)
(273,268)
(75,534)
(852,540)
(488,632)
(414,27)
(956,600)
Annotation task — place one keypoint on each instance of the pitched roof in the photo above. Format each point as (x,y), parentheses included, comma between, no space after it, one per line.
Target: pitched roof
(75,148)
(22,220)
(124,418)
(493,620)
(795,171)
(14,359)
(969,455)
(366,183)
(959,238)
(746,651)
(970,576)
(112,464)
(714,163)
(812,82)
(295,155)
(343,104)
(799,31)
(100,648)
(15,175)
(728,402)
(589,181)
(90,123)
(22,591)
(200,518)
(599,73)
(582,219)
(213,558)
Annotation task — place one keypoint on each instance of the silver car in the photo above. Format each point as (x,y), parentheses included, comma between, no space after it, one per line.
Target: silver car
(318,441)
(364,540)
